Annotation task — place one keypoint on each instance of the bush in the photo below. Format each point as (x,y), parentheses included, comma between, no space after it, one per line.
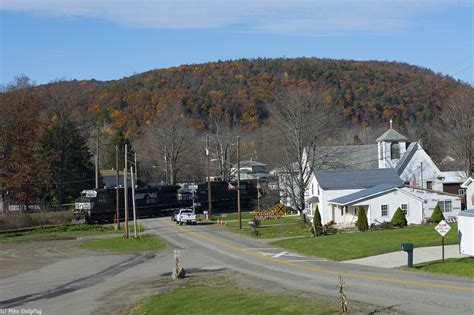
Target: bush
(437,216)
(362,224)
(381,226)
(399,218)
(17,220)
(318,227)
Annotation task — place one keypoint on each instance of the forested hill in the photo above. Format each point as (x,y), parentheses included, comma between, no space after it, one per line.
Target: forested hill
(363,92)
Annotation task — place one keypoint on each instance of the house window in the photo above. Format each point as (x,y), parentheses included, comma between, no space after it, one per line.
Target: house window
(445,206)
(384,209)
(395,151)
(312,189)
(342,212)
(461,192)
(429,185)
(404,209)
(355,211)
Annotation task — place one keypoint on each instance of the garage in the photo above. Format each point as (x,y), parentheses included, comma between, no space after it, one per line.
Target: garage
(466,232)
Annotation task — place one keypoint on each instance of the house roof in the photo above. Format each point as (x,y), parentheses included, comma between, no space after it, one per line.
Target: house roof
(357,179)
(251,163)
(467,213)
(468,182)
(453,177)
(364,194)
(313,199)
(348,157)
(391,135)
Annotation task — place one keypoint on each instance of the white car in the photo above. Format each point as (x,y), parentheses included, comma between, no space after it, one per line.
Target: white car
(185,216)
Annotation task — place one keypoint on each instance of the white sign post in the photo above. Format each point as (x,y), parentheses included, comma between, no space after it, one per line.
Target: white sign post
(442,228)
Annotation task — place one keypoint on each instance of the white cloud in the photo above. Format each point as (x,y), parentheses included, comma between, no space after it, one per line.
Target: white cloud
(316,17)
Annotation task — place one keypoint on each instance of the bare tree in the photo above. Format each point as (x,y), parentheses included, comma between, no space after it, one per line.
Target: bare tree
(169,136)
(302,121)
(456,129)
(223,144)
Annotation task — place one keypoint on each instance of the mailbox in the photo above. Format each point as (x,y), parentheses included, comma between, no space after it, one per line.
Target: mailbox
(408,247)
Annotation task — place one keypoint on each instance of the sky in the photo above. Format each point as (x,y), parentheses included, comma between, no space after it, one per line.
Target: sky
(50,40)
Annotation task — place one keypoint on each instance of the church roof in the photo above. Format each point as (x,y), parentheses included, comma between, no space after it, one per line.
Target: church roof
(391,135)
(348,157)
(406,158)
(357,179)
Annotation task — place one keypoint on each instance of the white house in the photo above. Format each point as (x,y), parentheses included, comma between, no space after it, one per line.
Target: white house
(468,185)
(381,202)
(328,185)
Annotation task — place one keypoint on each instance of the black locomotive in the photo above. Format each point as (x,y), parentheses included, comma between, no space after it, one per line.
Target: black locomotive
(99,205)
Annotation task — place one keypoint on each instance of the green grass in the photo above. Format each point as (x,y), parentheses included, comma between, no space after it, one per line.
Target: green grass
(121,244)
(362,244)
(453,266)
(216,295)
(271,228)
(56,233)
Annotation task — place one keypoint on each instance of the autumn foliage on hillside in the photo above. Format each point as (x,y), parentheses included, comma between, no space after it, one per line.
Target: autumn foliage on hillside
(362,92)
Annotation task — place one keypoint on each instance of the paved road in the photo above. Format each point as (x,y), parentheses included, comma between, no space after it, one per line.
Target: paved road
(82,285)
(412,292)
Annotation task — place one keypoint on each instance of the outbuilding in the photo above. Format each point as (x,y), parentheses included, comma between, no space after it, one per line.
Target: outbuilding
(466,232)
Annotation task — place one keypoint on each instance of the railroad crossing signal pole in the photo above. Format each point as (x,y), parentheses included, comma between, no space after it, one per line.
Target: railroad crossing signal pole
(209,198)
(238,183)
(133,203)
(97,158)
(125,191)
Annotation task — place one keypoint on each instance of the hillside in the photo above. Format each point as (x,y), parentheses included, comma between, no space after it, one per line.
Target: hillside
(363,92)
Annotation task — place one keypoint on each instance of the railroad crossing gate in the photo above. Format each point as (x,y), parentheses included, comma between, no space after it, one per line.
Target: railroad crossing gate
(279,209)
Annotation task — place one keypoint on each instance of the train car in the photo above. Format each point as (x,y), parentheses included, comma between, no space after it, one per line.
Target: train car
(224,196)
(99,205)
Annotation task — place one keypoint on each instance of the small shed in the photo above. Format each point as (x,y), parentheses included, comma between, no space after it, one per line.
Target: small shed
(466,232)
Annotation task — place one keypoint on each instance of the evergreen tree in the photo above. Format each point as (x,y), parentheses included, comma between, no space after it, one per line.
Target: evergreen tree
(318,227)
(121,140)
(362,224)
(65,163)
(399,218)
(437,216)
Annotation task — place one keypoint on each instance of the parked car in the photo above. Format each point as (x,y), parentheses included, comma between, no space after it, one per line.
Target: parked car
(185,216)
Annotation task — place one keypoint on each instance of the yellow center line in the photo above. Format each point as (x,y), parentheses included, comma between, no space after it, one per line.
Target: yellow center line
(329,271)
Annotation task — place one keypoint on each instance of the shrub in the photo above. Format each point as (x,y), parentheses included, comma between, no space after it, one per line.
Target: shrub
(399,218)
(362,224)
(318,227)
(437,216)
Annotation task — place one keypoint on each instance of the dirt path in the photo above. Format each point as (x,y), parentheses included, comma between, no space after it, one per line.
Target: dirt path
(19,257)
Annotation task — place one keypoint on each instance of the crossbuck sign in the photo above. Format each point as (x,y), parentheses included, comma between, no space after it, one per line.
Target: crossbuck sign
(442,228)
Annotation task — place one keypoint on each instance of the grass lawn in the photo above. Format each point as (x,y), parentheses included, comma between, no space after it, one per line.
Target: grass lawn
(121,244)
(218,295)
(56,233)
(452,266)
(362,244)
(271,228)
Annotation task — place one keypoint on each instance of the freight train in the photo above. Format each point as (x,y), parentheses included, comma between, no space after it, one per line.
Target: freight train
(99,205)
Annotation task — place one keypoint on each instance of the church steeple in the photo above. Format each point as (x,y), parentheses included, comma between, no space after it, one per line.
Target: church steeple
(391,147)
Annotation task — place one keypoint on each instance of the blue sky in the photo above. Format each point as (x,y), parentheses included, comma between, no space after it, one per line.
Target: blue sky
(110,39)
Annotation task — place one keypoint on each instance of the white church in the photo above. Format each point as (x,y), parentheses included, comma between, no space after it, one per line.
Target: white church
(381,178)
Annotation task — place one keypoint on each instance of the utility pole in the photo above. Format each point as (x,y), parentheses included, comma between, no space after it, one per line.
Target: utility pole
(97,158)
(238,183)
(166,166)
(209,198)
(125,185)
(133,203)
(117,198)
(136,172)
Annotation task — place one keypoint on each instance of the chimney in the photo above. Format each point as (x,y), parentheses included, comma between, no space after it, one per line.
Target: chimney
(391,123)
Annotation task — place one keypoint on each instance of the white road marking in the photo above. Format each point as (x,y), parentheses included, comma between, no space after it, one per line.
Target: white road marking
(278,255)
